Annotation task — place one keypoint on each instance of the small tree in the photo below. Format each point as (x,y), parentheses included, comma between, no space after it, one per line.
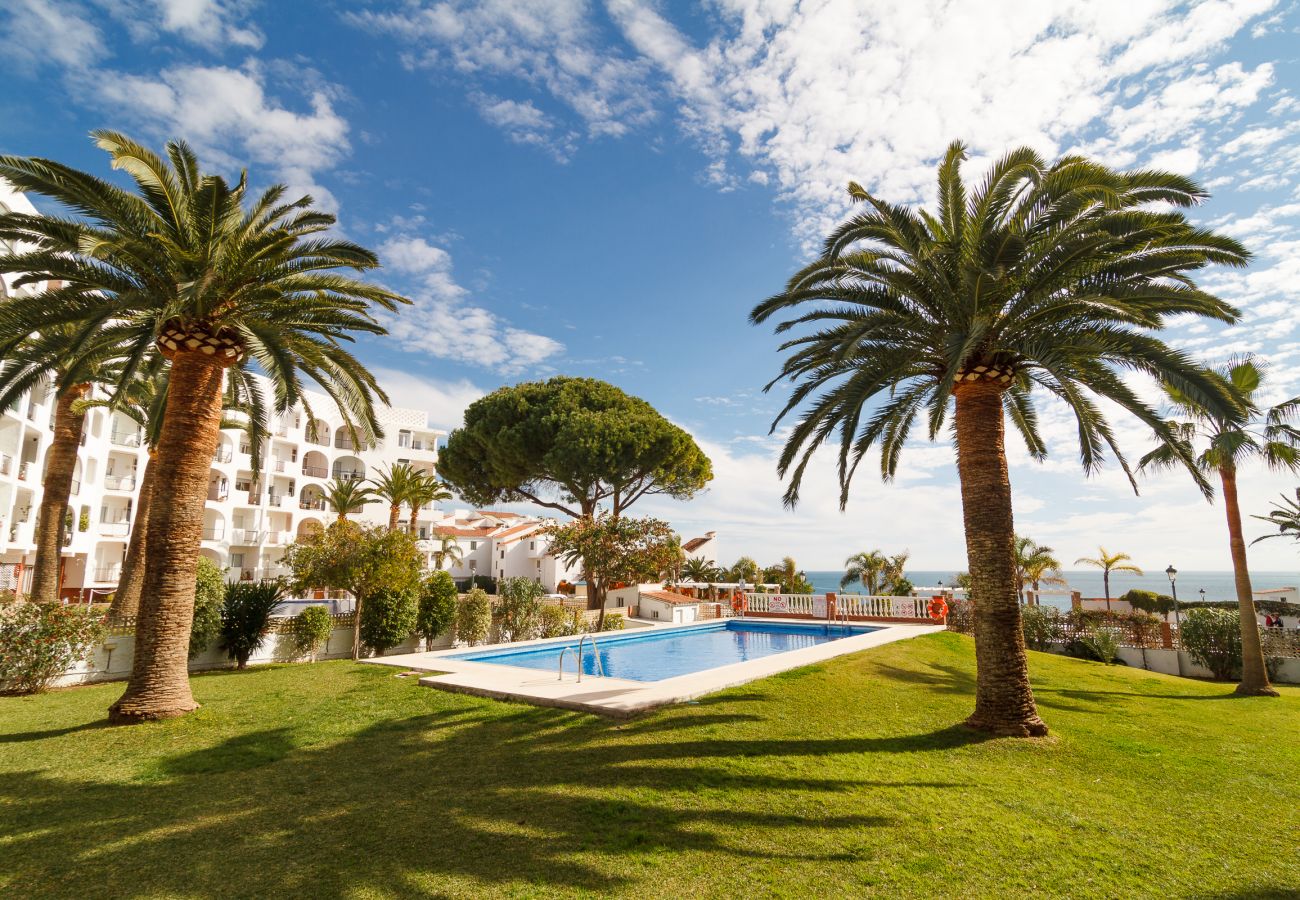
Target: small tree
(347,556)
(209,596)
(309,630)
(520,607)
(474,617)
(556,621)
(389,617)
(613,549)
(246,616)
(437,607)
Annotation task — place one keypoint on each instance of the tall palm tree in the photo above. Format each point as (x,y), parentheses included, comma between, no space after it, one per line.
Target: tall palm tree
(143,402)
(1248,432)
(1109,562)
(1044,277)
(449,550)
(700,570)
(425,490)
(183,263)
(393,486)
(1035,564)
(1285,517)
(70,362)
(347,497)
(744,569)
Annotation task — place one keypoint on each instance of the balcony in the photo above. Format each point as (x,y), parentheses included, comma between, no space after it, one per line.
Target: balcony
(246,537)
(125,438)
(279,538)
(107,574)
(6,463)
(120,528)
(312,471)
(311,504)
(24,469)
(214,532)
(349,476)
(218,494)
(277,465)
(75,487)
(223,455)
(273,499)
(119,482)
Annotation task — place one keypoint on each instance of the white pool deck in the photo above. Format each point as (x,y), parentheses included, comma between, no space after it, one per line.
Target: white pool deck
(619,697)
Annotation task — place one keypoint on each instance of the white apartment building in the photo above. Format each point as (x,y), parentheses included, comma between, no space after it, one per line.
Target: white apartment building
(501,545)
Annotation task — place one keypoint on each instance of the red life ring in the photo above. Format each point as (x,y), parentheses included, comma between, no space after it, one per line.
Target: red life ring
(738,603)
(938,608)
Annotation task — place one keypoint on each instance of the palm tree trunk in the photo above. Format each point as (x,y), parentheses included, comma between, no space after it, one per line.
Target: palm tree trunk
(159,686)
(126,599)
(1254,674)
(1004,702)
(1105,583)
(394,515)
(56,488)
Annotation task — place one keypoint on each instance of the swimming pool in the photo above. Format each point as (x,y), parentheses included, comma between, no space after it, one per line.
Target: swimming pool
(654,654)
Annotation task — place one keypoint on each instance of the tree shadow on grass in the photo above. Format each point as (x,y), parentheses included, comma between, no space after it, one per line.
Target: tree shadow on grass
(20,737)
(435,804)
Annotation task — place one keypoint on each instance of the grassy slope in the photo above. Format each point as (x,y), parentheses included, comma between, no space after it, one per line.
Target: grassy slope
(845,778)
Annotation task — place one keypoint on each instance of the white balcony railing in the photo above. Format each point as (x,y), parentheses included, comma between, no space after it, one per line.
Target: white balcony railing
(214,532)
(125,438)
(119,482)
(311,504)
(223,455)
(119,528)
(107,574)
(315,471)
(345,475)
(246,537)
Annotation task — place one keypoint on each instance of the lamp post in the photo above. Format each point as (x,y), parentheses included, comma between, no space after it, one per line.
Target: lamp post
(1202,593)
(1173,589)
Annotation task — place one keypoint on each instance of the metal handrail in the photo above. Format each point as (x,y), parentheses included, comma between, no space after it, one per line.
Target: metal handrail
(563,651)
(596,653)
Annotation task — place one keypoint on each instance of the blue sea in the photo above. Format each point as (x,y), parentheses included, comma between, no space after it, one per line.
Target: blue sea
(1217,585)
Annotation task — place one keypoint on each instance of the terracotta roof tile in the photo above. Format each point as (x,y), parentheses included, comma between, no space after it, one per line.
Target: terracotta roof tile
(695,543)
(669,597)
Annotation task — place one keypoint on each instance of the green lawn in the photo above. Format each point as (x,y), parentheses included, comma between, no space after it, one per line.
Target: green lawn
(846,778)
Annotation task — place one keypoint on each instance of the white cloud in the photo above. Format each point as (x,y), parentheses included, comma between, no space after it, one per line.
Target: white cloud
(550,45)
(229,115)
(444,400)
(49,31)
(524,123)
(209,22)
(444,324)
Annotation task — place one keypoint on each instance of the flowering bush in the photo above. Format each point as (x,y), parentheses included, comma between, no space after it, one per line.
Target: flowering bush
(474,617)
(41,641)
(556,621)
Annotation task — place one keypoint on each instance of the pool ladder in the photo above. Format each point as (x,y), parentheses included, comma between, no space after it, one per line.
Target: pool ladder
(594,652)
(843,615)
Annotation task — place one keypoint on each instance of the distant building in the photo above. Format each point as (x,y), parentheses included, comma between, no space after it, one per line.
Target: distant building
(705,548)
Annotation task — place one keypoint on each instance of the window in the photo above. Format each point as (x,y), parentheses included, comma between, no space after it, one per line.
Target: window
(532,545)
(473,545)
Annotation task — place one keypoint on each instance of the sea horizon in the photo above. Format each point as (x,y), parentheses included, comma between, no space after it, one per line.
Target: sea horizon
(1218,584)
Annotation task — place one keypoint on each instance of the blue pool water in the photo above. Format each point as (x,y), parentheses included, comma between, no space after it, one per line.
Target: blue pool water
(654,654)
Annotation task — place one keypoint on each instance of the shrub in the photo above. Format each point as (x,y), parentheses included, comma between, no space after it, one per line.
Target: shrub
(209,595)
(613,622)
(556,621)
(1213,638)
(388,618)
(1042,626)
(474,617)
(961,616)
(1103,642)
(245,616)
(309,630)
(437,613)
(41,641)
(519,605)
(1149,601)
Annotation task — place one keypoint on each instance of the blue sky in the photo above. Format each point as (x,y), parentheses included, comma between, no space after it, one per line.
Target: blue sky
(606,189)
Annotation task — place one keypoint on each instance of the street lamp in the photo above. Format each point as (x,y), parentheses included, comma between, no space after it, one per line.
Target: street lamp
(1173,589)
(1202,592)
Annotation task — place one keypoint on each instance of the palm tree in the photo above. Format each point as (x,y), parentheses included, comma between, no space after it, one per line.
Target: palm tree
(182,264)
(876,572)
(70,361)
(1035,564)
(744,569)
(1045,276)
(1109,562)
(699,570)
(449,550)
(427,489)
(1285,517)
(393,486)
(347,497)
(1248,432)
(143,402)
